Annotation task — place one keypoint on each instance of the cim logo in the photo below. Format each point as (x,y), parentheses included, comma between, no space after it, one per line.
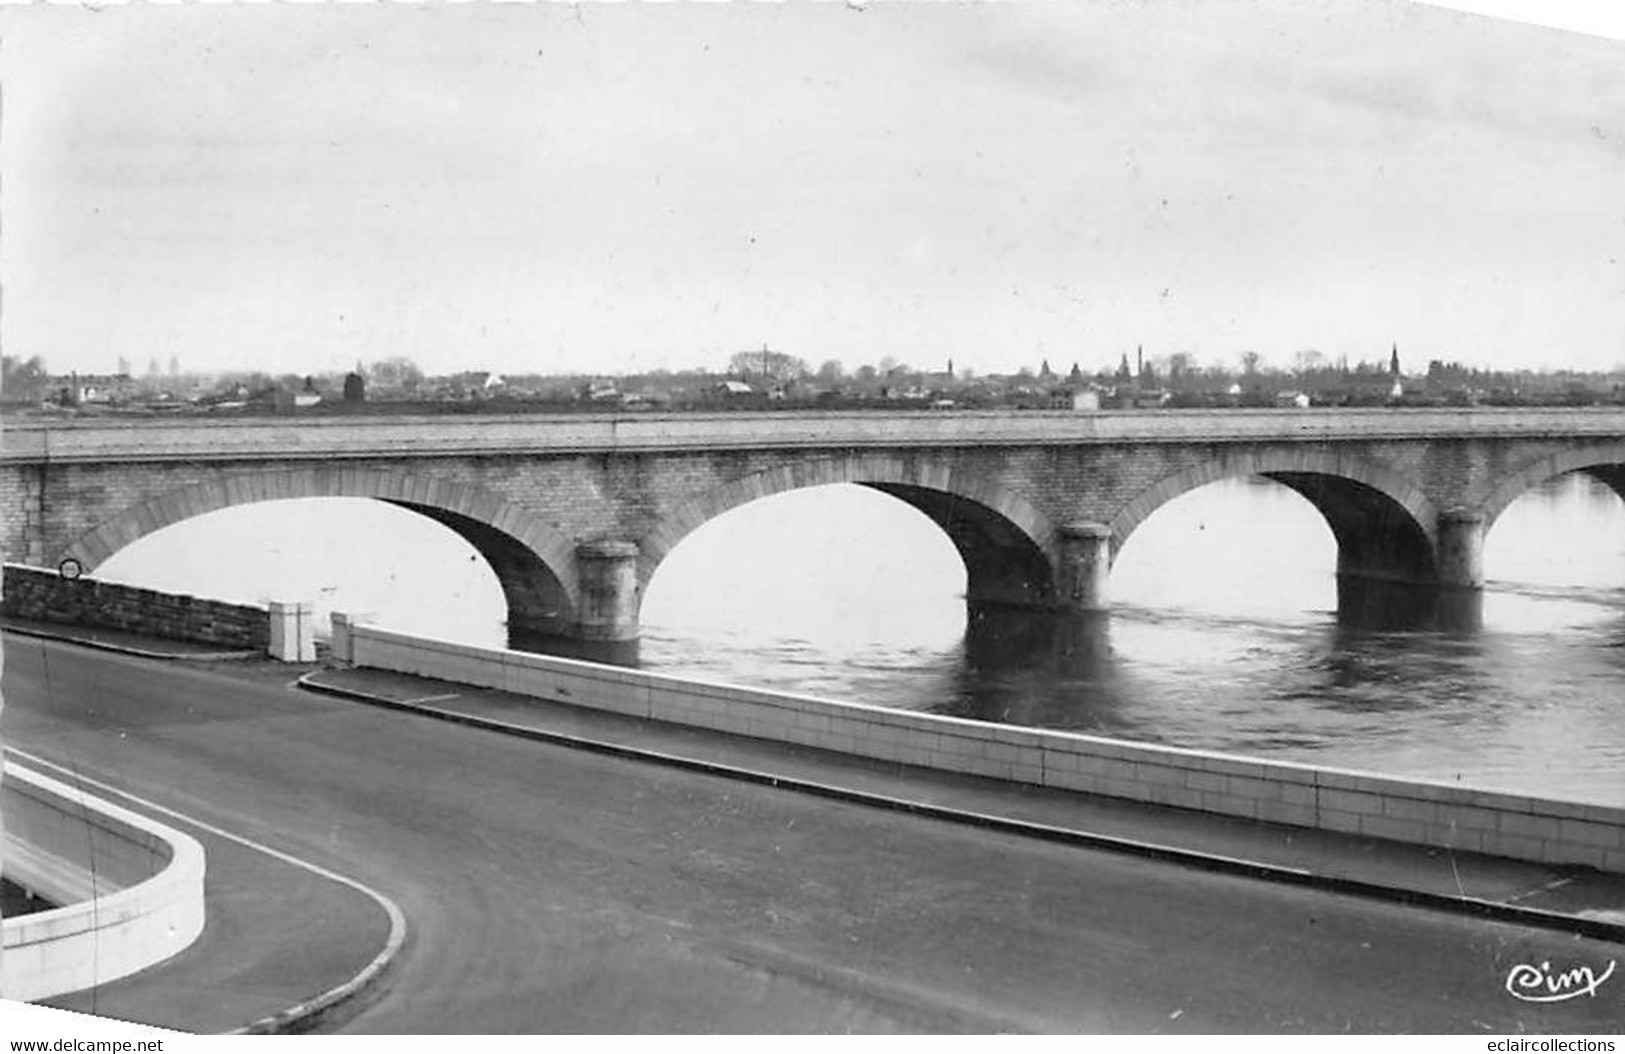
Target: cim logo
(1538,984)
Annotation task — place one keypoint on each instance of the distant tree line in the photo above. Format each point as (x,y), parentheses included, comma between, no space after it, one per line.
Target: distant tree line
(768,377)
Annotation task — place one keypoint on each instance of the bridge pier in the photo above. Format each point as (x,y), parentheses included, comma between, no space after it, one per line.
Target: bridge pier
(1375,605)
(1450,598)
(608,579)
(1086,560)
(1461,549)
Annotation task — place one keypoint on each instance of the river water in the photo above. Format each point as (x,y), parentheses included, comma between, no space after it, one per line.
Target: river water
(1223,635)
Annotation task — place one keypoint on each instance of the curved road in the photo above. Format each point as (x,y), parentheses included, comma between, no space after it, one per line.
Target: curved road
(553,890)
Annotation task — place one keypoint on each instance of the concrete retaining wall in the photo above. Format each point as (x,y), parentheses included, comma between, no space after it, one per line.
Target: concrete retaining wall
(131,889)
(1414,811)
(45,596)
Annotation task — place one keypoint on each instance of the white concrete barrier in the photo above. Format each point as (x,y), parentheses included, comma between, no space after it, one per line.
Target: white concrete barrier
(130,889)
(293,631)
(1404,810)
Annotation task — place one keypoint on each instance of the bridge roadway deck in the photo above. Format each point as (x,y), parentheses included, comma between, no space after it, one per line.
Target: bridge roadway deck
(551,889)
(103,440)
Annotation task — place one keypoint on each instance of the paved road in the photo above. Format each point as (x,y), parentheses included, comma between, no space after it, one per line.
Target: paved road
(552,890)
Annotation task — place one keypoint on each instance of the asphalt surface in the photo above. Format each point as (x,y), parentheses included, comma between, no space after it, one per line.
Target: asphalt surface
(308,935)
(550,889)
(1574,898)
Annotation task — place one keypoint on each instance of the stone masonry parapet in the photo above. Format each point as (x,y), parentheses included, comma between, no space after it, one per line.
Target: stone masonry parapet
(42,595)
(30,442)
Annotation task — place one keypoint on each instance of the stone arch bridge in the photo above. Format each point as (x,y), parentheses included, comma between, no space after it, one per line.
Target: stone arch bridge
(575,513)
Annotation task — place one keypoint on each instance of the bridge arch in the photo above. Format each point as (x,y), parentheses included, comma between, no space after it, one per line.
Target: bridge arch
(1606,462)
(533,562)
(1385,525)
(1008,546)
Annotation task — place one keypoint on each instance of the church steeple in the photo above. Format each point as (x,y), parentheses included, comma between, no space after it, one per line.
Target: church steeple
(1393,360)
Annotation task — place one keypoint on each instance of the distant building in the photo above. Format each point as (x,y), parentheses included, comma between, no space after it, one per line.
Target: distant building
(274,398)
(1080,398)
(1152,398)
(233,398)
(79,389)
(639,401)
(1397,390)
(469,384)
(946,381)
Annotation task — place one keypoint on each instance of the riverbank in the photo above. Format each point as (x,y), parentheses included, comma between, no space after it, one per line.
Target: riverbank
(525,821)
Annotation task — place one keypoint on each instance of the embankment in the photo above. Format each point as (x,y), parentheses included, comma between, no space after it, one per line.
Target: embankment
(1440,815)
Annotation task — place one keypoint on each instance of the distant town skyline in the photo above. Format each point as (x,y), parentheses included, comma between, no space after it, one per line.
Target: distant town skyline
(621,188)
(1305,360)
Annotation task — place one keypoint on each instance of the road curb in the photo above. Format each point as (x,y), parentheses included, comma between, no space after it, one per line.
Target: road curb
(1460,905)
(126,649)
(302,1017)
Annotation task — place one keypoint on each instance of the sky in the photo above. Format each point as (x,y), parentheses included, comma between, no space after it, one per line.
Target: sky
(621,187)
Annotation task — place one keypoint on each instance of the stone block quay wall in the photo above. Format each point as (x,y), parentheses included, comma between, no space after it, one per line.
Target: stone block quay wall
(41,595)
(1432,814)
